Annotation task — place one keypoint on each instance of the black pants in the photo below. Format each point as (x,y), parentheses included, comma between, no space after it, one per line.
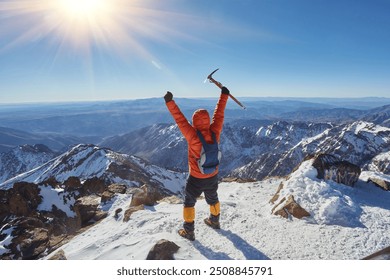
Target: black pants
(195,187)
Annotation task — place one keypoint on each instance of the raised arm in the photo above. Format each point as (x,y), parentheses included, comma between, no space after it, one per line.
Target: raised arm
(185,127)
(219,113)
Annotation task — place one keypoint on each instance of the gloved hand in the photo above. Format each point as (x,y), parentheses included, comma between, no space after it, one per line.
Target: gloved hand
(224,90)
(168,96)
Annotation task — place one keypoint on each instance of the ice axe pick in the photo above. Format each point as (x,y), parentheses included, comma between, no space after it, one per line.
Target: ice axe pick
(218,84)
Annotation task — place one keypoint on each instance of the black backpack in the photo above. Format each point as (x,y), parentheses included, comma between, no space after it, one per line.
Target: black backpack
(210,155)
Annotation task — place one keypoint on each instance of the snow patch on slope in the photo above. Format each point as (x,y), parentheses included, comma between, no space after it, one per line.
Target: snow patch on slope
(55,197)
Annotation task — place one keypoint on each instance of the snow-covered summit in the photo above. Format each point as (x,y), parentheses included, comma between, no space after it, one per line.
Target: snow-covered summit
(345,223)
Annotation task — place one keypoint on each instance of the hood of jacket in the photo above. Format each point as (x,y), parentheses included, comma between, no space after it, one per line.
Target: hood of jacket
(201,119)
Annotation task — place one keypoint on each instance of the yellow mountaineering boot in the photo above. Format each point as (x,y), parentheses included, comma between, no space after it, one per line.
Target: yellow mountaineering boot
(188,226)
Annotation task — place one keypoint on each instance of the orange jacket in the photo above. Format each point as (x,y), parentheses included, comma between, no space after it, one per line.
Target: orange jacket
(201,122)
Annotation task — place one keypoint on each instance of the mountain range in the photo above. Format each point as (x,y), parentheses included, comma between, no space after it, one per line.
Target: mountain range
(53,189)
(254,150)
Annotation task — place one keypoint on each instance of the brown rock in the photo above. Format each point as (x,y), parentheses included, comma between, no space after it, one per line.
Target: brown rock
(86,208)
(330,167)
(107,196)
(51,181)
(383,254)
(117,211)
(163,250)
(383,184)
(131,210)
(23,198)
(173,199)
(117,188)
(276,195)
(72,184)
(94,186)
(30,240)
(112,190)
(147,196)
(290,207)
(60,255)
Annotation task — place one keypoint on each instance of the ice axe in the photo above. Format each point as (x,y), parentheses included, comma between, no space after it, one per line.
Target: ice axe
(218,84)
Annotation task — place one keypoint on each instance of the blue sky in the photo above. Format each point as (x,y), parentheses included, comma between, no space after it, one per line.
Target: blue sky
(140,49)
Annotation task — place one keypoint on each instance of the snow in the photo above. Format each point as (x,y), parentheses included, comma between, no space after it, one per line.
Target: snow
(55,196)
(327,202)
(346,223)
(7,240)
(365,175)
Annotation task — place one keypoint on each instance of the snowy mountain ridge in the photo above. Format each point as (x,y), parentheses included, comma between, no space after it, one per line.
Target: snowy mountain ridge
(22,159)
(88,161)
(358,142)
(259,149)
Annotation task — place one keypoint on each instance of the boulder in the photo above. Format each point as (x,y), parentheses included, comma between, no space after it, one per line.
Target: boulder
(163,250)
(51,181)
(146,195)
(72,184)
(289,206)
(107,196)
(131,210)
(113,189)
(23,198)
(117,212)
(383,254)
(60,255)
(30,238)
(86,209)
(379,182)
(94,186)
(117,188)
(330,167)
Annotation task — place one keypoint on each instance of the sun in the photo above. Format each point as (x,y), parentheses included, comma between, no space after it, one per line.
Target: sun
(125,28)
(83,9)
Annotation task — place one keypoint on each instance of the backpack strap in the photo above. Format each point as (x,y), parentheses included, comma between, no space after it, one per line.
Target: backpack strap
(201,138)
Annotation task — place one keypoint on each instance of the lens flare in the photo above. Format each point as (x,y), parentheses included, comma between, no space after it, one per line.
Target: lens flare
(83,8)
(118,26)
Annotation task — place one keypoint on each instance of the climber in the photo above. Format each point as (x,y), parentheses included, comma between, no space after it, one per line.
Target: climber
(203,139)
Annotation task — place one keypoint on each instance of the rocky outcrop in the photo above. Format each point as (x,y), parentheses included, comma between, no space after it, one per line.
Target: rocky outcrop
(379,182)
(23,199)
(60,255)
(113,189)
(383,254)
(163,250)
(146,195)
(330,167)
(29,236)
(288,206)
(86,208)
(131,210)
(32,232)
